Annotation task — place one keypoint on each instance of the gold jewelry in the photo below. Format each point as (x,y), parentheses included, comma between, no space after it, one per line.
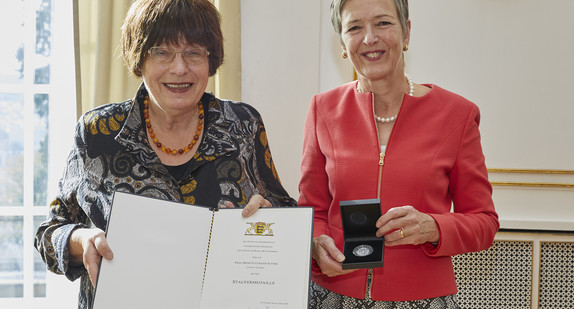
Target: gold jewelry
(402,234)
(344,55)
(157,142)
(406,47)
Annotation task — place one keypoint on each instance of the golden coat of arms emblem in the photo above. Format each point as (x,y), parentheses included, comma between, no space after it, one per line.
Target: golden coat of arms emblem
(259,229)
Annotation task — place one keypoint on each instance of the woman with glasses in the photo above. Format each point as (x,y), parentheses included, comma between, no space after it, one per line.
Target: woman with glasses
(172,141)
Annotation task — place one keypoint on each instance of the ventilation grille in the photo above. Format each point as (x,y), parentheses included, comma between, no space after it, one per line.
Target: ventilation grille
(556,275)
(499,277)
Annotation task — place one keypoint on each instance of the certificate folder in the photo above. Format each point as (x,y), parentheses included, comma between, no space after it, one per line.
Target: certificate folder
(174,255)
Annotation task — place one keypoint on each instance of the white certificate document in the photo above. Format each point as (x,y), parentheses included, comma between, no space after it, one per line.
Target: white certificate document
(259,262)
(174,255)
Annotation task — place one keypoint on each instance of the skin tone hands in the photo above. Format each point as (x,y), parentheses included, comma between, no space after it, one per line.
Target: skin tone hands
(328,256)
(407,226)
(255,202)
(89,245)
(417,228)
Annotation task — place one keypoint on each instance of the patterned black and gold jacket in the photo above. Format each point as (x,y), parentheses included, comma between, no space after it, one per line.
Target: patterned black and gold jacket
(112,153)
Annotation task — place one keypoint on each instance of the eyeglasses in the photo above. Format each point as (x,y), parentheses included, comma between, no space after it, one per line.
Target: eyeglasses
(164,55)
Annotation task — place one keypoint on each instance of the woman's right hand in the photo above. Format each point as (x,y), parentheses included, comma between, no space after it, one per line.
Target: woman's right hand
(328,256)
(87,246)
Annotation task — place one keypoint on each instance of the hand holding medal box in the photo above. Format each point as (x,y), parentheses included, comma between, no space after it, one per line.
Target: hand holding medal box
(363,249)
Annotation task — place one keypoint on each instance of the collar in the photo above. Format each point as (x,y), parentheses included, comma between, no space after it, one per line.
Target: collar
(217,138)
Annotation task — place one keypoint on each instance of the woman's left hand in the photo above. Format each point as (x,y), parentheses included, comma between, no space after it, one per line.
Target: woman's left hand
(255,202)
(407,226)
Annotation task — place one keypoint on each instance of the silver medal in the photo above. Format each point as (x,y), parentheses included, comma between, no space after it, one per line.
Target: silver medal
(362,250)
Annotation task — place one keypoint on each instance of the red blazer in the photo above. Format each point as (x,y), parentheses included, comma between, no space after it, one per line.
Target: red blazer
(433,160)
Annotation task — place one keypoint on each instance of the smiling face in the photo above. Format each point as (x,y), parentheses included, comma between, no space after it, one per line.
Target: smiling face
(373,38)
(177,85)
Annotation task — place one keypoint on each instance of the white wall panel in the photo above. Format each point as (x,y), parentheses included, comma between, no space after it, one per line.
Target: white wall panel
(280,49)
(514,59)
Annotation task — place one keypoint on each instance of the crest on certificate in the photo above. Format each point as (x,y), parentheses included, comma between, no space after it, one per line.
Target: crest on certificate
(259,229)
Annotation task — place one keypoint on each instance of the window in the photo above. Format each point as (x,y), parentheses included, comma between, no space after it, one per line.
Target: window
(38,103)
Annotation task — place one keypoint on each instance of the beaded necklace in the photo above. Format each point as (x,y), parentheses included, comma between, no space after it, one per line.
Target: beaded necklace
(159,144)
(393,118)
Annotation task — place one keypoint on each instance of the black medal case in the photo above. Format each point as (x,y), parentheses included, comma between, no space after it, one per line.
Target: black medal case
(363,249)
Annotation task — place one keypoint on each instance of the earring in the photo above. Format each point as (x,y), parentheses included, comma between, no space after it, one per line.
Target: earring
(344,55)
(406,47)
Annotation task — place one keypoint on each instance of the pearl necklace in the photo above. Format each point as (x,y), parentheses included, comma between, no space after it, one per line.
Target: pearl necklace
(393,118)
(158,143)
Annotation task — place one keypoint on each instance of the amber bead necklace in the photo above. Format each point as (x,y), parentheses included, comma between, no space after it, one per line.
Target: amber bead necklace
(159,144)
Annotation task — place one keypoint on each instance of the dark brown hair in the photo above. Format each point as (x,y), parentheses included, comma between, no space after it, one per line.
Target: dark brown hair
(153,22)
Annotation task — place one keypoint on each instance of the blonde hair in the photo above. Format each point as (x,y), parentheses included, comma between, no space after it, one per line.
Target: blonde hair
(402,11)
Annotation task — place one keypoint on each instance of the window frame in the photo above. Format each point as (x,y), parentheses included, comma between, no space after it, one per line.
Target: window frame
(63,92)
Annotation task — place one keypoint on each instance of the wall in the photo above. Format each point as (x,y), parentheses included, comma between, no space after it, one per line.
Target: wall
(289,53)
(513,59)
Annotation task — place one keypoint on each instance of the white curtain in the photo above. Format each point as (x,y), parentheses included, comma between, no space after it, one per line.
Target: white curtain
(227,82)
